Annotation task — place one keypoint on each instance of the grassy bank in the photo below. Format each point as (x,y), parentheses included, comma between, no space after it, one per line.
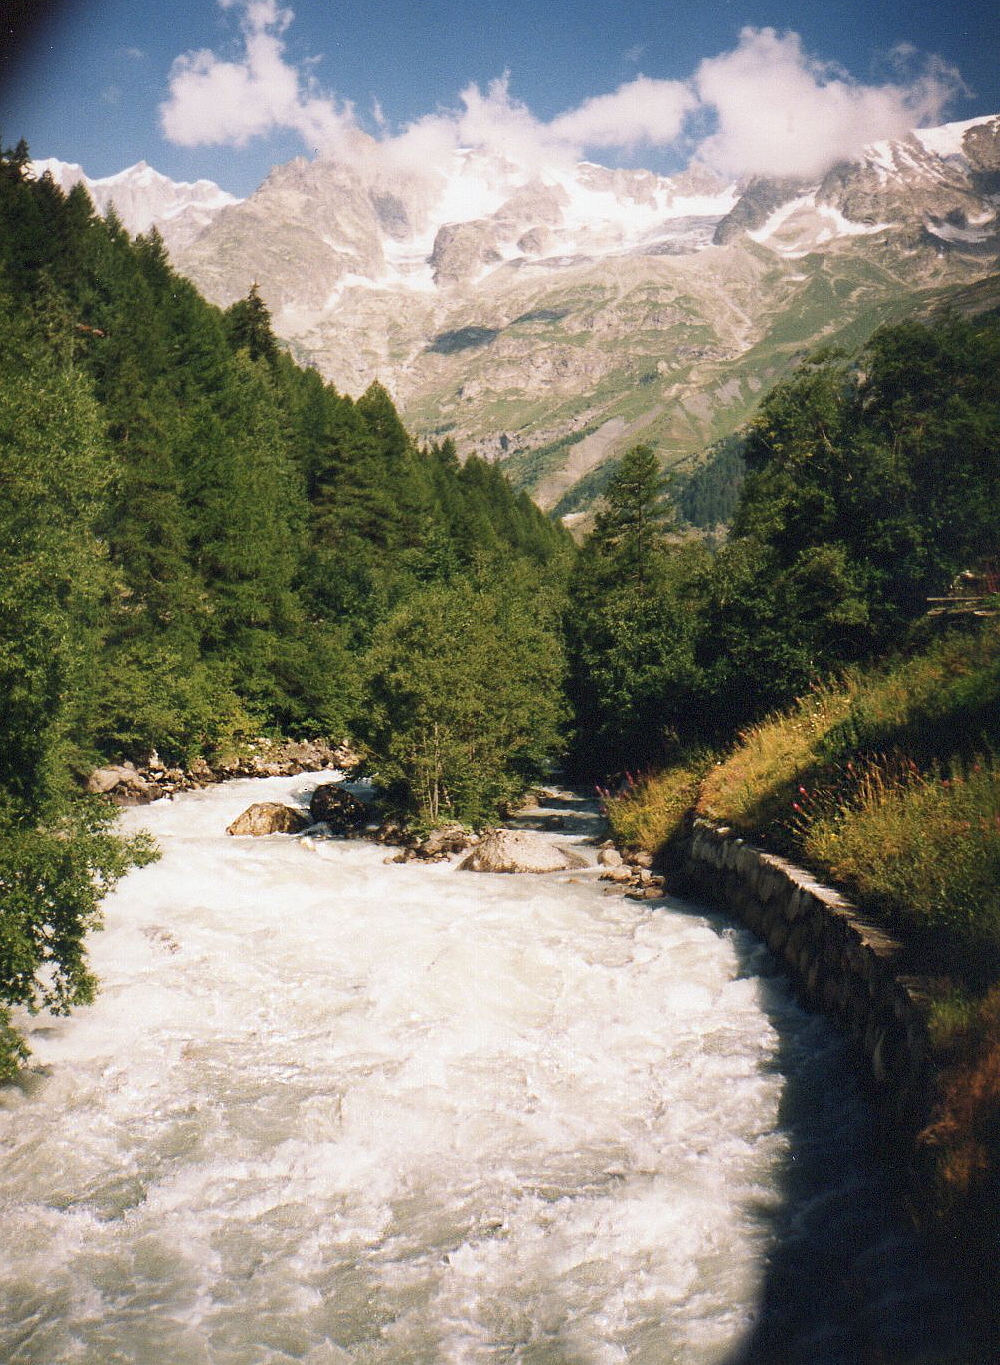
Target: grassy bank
(886,783)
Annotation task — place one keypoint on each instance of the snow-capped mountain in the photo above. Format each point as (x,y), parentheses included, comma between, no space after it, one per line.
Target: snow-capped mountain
(365,223)
(143,198)
(370,224)
(549,316)
(945,181)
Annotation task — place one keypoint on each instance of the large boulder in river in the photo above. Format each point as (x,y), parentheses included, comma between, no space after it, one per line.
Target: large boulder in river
(521,850)
(332,804)
(269,817)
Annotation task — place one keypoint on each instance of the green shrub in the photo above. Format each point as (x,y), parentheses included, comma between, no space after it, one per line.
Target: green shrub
(463,700)
(153,697)
(52,882)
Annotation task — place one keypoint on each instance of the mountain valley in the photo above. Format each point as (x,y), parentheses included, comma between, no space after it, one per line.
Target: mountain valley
(548,317)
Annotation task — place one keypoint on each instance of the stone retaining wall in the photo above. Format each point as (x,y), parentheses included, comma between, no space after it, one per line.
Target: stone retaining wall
(841,963)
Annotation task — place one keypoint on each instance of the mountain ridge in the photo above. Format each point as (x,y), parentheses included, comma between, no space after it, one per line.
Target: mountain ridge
(545,317)
(145,199)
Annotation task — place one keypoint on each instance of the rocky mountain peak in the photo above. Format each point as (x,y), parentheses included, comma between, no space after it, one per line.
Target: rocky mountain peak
(143,198)
(981,146)
(533,205)
(463,250)
(760,197)
(356,218)
(636,185)
(941,182)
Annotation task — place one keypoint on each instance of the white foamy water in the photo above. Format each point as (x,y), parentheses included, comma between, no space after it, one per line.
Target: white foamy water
(328,1110)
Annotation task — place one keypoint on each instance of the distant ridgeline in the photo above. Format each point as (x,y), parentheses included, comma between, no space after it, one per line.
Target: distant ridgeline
(203,541)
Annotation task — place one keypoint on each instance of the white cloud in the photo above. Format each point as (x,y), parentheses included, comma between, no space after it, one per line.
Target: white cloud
(782,112)
(776,110)
(427,143)
(499,123)
(641,111)
(215,102)
(493,121)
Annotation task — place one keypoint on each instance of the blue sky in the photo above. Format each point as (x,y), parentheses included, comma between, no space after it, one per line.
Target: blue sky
(200,88)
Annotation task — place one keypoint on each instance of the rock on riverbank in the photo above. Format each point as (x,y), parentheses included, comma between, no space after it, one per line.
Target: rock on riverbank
(130,784)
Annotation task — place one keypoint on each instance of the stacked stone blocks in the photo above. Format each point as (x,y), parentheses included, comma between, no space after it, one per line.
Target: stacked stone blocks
(840,962)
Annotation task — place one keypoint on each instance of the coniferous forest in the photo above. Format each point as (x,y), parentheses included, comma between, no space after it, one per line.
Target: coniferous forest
(203,542)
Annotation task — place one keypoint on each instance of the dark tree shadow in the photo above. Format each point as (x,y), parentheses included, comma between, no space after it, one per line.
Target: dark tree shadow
(847,1280)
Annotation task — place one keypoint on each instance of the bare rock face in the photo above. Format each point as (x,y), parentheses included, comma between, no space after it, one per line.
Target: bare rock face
(981,146)
(761,196)
(333,805)
(462,250)
(536,241)
(908,185)
(302,224)
(637,185)
(520,850)
(269,817)
(533,205)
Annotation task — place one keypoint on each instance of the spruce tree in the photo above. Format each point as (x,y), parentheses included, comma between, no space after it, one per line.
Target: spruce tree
(248,327)
(629,527)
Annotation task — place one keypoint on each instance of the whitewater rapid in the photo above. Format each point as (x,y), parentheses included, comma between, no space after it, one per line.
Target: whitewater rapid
(327,1110)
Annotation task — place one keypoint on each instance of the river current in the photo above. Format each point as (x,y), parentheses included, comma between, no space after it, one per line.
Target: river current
(328,1110)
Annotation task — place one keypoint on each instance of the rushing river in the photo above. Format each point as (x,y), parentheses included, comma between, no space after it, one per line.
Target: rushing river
(327,1110)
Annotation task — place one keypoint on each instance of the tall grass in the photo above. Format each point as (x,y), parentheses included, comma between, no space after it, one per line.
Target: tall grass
(940,701)
(650,810)
(937,703)
(873,780)
(754,784)
(921,847)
